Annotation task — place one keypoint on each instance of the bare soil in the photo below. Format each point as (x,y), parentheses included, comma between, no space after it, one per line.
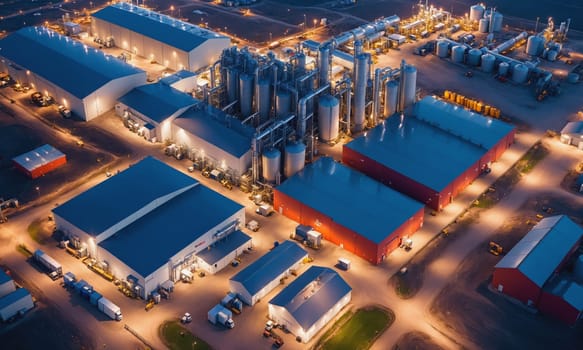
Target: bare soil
(415,341)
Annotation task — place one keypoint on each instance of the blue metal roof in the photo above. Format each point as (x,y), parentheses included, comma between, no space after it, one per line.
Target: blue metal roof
(176,77)
(538,254)
(476,128)
(165,29)
(322,186)
(224,247)
(568,290)
(268,267)
(312,295)
(419,151)
(573,128)
(13,297)
(4,277)
(204,123)
(38,157)
(151,241)
(122,195)
(65,62)
(157,101)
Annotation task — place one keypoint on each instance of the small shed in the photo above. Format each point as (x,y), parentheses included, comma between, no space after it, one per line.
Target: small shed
(40,161)
(572,134)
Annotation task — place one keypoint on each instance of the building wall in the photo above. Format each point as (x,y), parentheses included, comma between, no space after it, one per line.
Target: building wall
(207,53)
(516,285)
(225,261)
(7,288)
(556,307)
(394,239)
(160,133)
(25,303)
(104,98)
(42,170)
(119,269)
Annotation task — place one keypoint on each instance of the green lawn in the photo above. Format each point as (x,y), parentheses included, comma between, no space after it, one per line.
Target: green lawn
(177,337)
(361,330)
(35,231)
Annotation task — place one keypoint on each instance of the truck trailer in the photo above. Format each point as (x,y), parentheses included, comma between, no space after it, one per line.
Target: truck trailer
(110,309)
(232,302)
(53,268)
(308,236)
(221,315)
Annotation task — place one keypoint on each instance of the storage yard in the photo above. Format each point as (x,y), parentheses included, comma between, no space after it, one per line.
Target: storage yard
(261,168)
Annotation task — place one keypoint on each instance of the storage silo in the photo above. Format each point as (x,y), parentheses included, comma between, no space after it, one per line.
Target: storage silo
(232,83)
(477,12)
(391,98)
(328,117)
(519,73)
(552,55)
(283,104)
(264,98)
(295,157)
(409,89)
(474,57)
(483,25)
(442,48)
(503,68)
(497,22)
(361,77)
(357,47)
(246,89)
(301,62)
(488,61)
(535,45)
(457,53)
(324,64)
(271,163)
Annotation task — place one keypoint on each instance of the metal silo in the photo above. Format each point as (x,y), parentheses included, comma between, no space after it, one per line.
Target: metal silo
(442,48)
(488,61)
(328,117)
(271,163)
(573,78)
(483,25)
(497,22)
(295,157)
(535,45)
(283,103)
(324,64)
(409,89)
(474,57)
(457,53)
(391,98)
(503,68)
(301,62)
(552,56)
(232,83)
(264,98)
(476,12)
(246,94)
(520,73)
(357,47)
(361,72)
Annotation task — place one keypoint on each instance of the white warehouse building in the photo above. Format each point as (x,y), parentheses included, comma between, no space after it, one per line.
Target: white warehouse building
(147,224)
(83,79)
(157,37)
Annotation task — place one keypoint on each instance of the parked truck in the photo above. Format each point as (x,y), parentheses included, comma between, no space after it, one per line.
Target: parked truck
(221,315)
(264,210)
(53,268)
(308,236)
(232,302)
(110,309)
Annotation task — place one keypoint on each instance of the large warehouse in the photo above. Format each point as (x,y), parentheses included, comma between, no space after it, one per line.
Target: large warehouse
(350,209)
(148,223)
(265,273)
(529,271)
(83,79)
(311,301)
(170,42)
(39,161)
(433,155)
(149,110)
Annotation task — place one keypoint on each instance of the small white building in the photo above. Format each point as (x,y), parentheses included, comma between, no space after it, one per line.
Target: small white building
(6,284)
(310,302)
(17,302)
(265,273)
(572,134)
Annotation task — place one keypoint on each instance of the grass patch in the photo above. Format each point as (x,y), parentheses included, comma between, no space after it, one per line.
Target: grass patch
(23,249)
(532,158)
(36,232)
(403,288)
(360,331)
(176,337)
(484,202)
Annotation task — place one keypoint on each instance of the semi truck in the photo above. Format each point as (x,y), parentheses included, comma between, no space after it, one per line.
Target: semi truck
(308,236)
(232,302)
(264,210)
(221,315)
(53,268)
(110,309)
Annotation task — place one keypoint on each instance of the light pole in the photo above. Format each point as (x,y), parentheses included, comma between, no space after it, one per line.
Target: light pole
(315,21)
(305,22)
(37,191)
(270,38)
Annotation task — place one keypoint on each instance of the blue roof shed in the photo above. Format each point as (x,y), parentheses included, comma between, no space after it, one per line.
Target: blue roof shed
(224,247)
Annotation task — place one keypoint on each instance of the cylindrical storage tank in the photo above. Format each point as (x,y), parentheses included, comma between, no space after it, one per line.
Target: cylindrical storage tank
(295,157)
(457,53)
(283,104)
(357,47)
(409,79)
(520,73)
(474,57)
(476,12)
(246,94)
(442,48)
(232,84)
(483,25)
(488,61)
(497,22)
(573,78)
(271,162)
(328,117)
(264,98)
(535,45)
(324,64)
(391,98)
(552,56)
(301,61)
(503,68)
(361,70)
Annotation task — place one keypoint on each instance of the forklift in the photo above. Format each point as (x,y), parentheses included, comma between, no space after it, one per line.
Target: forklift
(495,248)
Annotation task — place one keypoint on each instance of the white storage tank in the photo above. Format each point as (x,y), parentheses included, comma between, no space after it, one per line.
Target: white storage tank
(232,84)
(474,57)
(328,117)
(391,98)
(246,88)
(503,68)
(264,98)
(324,63)
(409,79)
(488,61)
(457,53)
(442,48)
(283,103)
(477,12)
(361,77)
(535,45)
(295,157)
(483,25)
(271,162)
(520,73)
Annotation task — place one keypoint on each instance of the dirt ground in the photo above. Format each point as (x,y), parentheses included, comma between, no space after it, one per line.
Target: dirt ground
(569,183)
(498,323)
(415,341)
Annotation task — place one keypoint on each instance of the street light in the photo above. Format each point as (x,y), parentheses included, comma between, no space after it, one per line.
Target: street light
(305,22)
(37,191)
(270,37)
(315,21)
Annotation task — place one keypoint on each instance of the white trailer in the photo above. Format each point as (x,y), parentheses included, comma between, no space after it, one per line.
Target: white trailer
(15,303)
(221,315)
(53,268)
(110,309)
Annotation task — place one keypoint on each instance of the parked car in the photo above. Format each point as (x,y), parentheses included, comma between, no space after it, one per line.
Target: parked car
(187,318)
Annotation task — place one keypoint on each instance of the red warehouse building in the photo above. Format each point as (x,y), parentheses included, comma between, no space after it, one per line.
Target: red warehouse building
(531,271)
(433,155)
(349,209)
(39,161)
